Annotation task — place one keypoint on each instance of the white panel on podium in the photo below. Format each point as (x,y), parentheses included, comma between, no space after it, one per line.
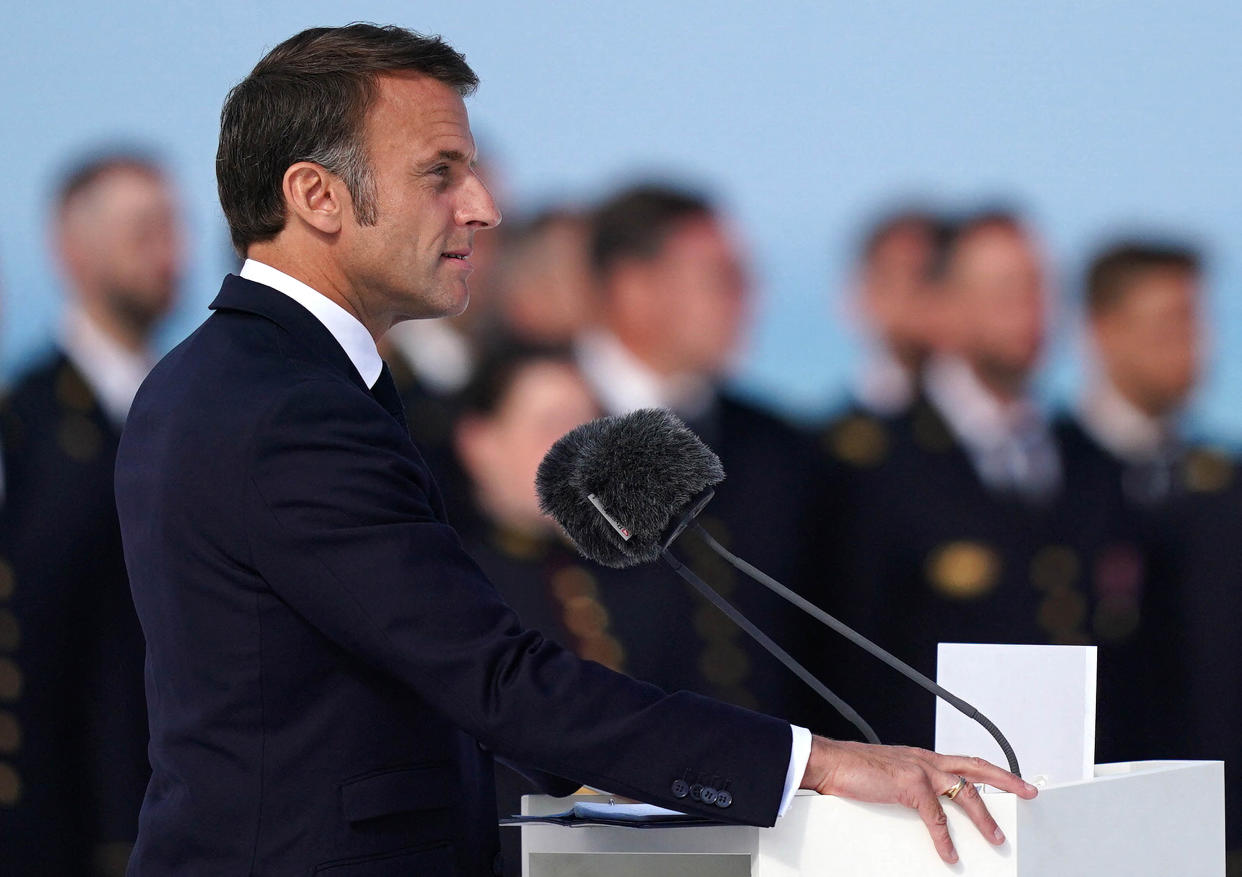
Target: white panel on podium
(1041,697)
(1147,819)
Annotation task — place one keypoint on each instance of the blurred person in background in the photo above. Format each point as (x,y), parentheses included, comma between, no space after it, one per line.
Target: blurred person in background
(674,300)
(73,730)
(1143,304)
(898,305)
(544,291)
(1127,443)
(960,534)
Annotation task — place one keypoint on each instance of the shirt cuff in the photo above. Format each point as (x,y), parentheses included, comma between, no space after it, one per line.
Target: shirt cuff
(799,755)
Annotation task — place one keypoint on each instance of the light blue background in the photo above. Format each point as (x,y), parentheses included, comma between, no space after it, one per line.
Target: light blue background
(804,117)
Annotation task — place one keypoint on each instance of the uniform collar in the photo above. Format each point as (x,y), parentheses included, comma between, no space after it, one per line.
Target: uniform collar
(347,329)
(112,371)
(883,386)
(623,383)
(1121,428)
(977,418)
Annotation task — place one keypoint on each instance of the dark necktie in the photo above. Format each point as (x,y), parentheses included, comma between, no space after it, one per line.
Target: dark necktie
(385,390)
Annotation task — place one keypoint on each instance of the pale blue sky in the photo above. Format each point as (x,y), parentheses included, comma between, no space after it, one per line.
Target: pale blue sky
(802,117)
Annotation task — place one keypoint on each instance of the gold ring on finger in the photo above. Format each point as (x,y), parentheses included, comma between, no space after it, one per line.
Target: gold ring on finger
(952,793)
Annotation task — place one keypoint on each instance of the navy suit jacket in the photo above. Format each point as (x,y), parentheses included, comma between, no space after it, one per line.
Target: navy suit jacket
(327,670)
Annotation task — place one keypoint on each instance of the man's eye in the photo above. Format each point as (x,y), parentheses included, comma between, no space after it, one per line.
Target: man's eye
(441,171)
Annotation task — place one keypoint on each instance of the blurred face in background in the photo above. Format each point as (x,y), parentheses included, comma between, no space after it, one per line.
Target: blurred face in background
(501,451)
(1149,340)
(545,292)
(683,310)
(994,286)
(899,302)
(122,247)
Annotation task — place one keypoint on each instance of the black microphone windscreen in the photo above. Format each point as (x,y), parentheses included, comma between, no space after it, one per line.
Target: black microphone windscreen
(615,484)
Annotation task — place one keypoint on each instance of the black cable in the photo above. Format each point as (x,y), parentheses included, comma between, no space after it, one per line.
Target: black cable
(764,640)
(862,642)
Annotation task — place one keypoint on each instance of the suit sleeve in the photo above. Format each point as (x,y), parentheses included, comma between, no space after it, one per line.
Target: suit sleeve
(342,529)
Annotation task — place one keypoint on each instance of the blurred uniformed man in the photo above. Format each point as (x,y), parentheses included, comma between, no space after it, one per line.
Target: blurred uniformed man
(1144,309)
(897,302)
(73,766)
(966,532)
(674,297)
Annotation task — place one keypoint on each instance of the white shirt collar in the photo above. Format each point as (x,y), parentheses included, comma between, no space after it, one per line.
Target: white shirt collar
(623,383)
(978,419)
(1121,428)
(347,329)
(112,371)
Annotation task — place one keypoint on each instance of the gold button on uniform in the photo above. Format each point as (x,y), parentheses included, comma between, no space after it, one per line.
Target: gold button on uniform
(963,570)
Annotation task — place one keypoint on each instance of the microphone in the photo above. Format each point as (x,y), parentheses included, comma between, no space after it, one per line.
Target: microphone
(624,488)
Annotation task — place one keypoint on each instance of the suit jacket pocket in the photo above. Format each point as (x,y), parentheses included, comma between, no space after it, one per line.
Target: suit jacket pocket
(400,790)
(434,861)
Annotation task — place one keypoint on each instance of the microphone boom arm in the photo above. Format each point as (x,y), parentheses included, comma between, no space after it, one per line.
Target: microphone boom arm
(862,642)
(764,640)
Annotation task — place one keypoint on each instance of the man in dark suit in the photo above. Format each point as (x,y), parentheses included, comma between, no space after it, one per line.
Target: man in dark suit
(73,723)
(327,670)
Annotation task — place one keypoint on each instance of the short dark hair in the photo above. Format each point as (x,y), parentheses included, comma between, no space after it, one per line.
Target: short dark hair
(957,232)
(84,173)
(499,368)
(1114,269)
(307,100)
(636,222)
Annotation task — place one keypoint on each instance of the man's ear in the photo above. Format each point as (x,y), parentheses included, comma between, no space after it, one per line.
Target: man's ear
(316,196)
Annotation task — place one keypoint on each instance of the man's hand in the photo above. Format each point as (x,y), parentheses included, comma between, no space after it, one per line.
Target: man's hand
(915,778)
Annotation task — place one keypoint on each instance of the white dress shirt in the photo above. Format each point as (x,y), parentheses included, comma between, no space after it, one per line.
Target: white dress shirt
(347,329)
(360,347)
(1008,442)
(112,371)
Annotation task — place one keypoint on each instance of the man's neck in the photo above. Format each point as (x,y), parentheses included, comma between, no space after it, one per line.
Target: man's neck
(327,280)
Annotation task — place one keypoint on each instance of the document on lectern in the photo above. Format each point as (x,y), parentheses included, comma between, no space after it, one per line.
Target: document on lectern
(623,815)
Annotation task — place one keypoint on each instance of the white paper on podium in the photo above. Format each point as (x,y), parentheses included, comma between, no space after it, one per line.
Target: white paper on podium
(1041,697)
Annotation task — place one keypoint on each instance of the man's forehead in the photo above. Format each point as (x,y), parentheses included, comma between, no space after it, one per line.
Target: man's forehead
(422,103)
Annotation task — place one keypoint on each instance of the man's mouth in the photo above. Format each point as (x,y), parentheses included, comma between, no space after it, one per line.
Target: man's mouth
(461,255)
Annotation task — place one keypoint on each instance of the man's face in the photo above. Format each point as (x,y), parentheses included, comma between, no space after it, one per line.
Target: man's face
(896,293)
(698,292)
(997,286)
(1150,341)
(414,261)
(124,243)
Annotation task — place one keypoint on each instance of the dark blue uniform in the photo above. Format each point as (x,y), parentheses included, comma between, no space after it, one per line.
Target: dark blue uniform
(73,727)
(931,554)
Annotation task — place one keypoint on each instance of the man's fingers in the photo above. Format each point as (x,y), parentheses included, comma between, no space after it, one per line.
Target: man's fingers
(938,826)
(979,771)
(971,801)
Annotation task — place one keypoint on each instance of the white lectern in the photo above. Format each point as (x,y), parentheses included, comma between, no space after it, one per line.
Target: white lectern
(1144,819)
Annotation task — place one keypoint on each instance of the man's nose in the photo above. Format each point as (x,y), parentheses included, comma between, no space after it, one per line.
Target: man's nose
(477,207)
